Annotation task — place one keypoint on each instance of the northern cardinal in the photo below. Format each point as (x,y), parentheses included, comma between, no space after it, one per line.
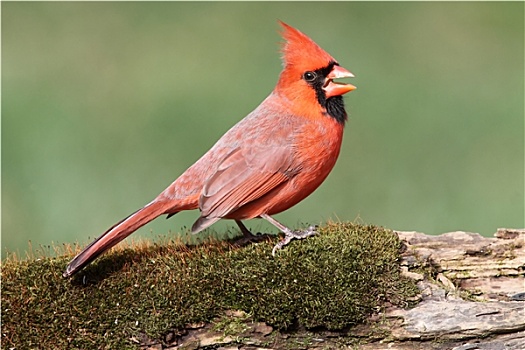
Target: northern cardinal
(269,161)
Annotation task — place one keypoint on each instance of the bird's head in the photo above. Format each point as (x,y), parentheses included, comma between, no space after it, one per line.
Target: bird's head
(308,76)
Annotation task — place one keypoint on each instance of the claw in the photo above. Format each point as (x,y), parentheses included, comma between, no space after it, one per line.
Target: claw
(291,235)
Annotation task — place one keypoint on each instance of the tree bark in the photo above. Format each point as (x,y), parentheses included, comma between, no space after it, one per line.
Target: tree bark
(472,291)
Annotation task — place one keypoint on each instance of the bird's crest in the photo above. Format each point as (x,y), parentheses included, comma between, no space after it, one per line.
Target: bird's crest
(301,52)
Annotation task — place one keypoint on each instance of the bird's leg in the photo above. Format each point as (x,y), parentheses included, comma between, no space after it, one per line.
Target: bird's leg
(245,232)
(248,236)
(289,235)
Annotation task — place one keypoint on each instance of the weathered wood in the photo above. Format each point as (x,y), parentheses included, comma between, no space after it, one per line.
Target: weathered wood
(470,256)
(477,294)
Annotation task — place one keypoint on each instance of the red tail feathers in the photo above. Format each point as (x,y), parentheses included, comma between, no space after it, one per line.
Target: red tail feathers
(114,235)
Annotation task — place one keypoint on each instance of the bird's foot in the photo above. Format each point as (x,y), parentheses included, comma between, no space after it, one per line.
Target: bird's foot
(253,238)
(249,237)
(290,235)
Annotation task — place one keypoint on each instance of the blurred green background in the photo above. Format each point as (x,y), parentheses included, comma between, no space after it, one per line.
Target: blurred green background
(105,104)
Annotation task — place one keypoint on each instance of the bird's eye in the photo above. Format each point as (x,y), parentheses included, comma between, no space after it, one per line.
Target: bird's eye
(309,76)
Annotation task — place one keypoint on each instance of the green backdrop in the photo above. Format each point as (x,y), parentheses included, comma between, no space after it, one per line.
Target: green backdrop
(105,104)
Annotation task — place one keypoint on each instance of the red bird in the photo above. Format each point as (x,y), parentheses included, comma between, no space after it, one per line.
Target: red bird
(268,162)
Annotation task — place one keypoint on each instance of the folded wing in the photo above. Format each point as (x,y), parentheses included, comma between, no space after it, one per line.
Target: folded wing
(243,176)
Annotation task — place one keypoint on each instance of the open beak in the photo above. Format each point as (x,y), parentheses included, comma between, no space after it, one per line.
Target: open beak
(332,88)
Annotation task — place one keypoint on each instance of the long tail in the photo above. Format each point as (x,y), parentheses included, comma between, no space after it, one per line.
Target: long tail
(114,235)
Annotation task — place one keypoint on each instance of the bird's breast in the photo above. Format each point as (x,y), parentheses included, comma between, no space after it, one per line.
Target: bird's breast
(317,148)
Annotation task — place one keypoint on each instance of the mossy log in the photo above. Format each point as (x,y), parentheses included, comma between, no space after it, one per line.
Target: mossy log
(472,296)
(353,286)
(333,280)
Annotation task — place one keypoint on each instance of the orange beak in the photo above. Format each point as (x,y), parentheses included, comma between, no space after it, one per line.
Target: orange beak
(332,88)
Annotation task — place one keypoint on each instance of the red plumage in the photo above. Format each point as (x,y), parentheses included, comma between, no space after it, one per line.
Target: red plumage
(269,161)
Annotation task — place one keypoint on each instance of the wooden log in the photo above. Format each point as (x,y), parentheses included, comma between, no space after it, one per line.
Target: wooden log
(472,298)
(472,291)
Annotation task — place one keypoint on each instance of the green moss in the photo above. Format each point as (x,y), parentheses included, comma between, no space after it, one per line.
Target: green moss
(231,325)
(333,280)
